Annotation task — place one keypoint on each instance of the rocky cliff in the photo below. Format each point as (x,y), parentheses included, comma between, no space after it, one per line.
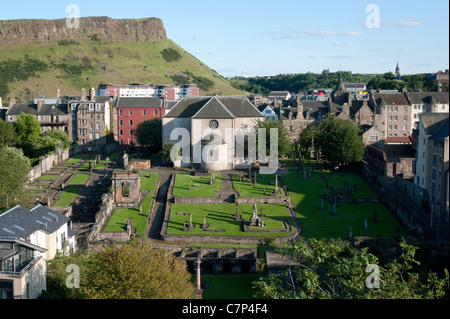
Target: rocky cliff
(97,28)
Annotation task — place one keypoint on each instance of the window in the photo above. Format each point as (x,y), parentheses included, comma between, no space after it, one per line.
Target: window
(91,136)
(405,118)
(121,132)
(131,132)
(433,176)
(390,127)
(97,126)
(405,127)
(434,159)
(131,122)
(120,112)
(97,136)
(155,113)
(120,123)
(391,118)
(395,118)
(144,112)
(131,112)
(395,127)
(373,138)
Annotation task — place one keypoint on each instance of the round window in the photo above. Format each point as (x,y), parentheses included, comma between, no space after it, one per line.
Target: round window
(214,124)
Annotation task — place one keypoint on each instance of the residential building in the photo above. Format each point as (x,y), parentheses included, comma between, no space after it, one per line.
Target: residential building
(29,238)
(49,116)
(427,102)
(91,120)
(167,92)
(431,167)
(279,96)
(133,110)
(211,127)
(268,112)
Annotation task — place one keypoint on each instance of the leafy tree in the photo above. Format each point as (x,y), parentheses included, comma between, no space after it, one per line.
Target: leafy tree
(27,128)
(309,137)
(8,135)
(170,55)
(149,133)
(41,146)
(335,270)
(284,144)
(339,141)
(14,167)
(167,151)
(59,137)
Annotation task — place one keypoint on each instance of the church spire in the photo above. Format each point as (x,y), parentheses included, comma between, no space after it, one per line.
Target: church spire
(397,71)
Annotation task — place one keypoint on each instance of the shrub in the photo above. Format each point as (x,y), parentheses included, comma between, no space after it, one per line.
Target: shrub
(170,55)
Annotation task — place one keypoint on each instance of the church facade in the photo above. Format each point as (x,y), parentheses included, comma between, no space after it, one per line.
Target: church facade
(210,131)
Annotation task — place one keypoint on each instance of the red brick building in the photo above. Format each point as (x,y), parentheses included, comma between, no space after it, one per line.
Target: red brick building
(133,110)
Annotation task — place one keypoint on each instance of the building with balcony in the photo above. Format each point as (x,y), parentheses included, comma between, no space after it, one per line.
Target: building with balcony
(28,238)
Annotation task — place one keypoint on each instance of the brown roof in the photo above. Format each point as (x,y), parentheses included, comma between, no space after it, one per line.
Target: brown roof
(392,98)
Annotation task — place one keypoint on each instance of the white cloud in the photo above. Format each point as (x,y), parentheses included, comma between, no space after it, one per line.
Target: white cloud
(304,33)
(402,23)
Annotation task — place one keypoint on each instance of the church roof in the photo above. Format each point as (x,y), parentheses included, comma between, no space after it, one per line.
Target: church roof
(214,107)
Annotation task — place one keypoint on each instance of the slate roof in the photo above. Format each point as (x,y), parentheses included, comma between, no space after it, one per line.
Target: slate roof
(391,99)
(20,222)
(214,107)
(426,97)
(442,133)
(46,109)
(139,102)
(432,122)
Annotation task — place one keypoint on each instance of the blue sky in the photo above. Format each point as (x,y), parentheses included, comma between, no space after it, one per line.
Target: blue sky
(261,37)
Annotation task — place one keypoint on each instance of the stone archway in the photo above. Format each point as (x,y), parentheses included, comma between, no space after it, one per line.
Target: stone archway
(126,187)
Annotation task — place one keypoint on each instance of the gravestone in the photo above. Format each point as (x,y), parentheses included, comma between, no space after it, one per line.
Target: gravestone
(350,234)
(366,226)
(321,205)
(256,220)
(375,217)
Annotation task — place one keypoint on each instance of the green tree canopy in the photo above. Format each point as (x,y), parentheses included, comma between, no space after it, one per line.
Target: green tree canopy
(335,270)
(14,167)
(8,135)
(27,128)
(284,144)
(132,271)
(149,133)
(59,137)
(339,141)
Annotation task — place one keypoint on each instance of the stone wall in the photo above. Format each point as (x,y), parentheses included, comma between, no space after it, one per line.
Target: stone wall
(47,162)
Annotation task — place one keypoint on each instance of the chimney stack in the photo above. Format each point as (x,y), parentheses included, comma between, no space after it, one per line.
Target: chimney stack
(39,104)
(12,102)
(58,95)
(92,94)
(83,94)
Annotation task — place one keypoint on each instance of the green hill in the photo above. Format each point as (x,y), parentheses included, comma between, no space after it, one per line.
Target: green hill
(41,68)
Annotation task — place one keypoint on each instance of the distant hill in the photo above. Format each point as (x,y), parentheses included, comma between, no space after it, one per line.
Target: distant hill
(38,57)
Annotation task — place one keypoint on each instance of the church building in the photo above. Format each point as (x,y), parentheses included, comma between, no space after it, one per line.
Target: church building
(209,130)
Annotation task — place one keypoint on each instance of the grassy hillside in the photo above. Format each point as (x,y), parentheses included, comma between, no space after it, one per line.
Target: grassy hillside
(72,65)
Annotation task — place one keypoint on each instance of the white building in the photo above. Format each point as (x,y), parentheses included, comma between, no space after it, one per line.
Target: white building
(427,102)
(209,127)
(28,238)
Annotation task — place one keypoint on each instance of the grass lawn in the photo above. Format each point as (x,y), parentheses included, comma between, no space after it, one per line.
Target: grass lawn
(230,286)
(67,197)
(203,189)
(48,177)
(263,182)
(220,217)
(306,196)
(79,179)
(77,158)
(120,216)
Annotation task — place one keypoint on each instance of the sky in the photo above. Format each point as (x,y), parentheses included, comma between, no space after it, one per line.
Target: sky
(267,38)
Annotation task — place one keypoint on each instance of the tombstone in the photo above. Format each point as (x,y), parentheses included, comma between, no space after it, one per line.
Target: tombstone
(375,217)
(140,208)
(333,212)
(190,221)
(125,160)
(205,226)
(255,220)
(350,233)
(304,174)
(184,229)
(212,180)
(366,226)
(276,182)
(321,205)
(309,173)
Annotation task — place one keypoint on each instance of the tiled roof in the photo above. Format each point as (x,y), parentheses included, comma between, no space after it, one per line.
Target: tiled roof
(432,122)
(139,102)
(46,109)
(238,106)
(425,97)
(20,222)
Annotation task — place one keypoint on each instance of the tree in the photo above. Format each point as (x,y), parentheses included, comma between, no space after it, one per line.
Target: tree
(149,133)
(28,129)
(167,153)
(8,135)
(335,270)
(14,167)
(284,145)
(308,138)
(339,141)
(59,137)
